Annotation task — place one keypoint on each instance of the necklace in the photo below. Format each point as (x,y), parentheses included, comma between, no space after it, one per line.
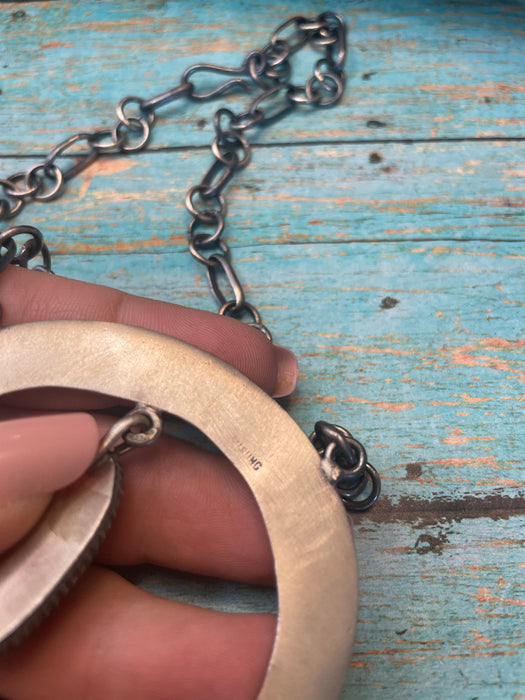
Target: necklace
(298,483)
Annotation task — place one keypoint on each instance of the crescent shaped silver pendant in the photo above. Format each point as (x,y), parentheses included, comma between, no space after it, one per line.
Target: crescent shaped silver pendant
(307,525)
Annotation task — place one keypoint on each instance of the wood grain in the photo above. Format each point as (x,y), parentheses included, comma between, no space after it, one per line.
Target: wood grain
(416,70)
(383,241)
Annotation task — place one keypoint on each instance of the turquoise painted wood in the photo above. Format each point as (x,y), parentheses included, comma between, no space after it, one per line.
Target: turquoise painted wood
(383,241)
(416,69)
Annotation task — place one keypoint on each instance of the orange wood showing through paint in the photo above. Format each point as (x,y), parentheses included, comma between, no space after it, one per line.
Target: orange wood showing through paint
(383,240)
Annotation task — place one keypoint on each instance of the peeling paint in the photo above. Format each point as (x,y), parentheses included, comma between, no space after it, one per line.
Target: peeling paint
(420,513)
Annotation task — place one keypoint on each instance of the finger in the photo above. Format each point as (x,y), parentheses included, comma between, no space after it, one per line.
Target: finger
(52,297)
(188,509)
(39,455)
(109,639)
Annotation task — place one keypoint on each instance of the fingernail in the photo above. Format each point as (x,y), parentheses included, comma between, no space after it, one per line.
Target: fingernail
(287,371)
(351,523)
(41,454)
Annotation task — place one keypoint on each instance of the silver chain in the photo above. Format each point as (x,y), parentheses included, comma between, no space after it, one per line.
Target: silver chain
(267,71)
(266,74)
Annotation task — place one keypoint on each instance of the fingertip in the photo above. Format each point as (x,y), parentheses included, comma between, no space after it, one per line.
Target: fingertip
(287,371)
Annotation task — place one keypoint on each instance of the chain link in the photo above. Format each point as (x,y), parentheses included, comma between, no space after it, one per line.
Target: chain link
(346,464)
(32,247)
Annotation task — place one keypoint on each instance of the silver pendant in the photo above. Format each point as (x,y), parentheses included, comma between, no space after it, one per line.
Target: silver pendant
(35,574)
(308,529)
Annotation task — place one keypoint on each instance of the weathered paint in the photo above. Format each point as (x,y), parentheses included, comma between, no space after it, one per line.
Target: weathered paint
(438,73)
(384,242)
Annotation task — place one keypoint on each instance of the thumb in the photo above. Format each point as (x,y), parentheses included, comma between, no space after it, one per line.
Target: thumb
(38,456)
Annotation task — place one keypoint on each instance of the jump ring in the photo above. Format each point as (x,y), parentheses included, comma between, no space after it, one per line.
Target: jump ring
(51,171)
(9,186)
(204,215)
(138,145)
(131,122)
(357,505)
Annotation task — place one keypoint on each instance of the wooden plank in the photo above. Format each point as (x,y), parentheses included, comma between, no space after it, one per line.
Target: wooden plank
(294,194)
(421,70)
(451,625)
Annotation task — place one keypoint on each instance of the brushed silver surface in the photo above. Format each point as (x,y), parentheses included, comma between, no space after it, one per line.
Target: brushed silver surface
(39,570)
(307,525)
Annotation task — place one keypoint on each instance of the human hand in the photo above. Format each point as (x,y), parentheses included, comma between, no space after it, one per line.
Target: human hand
(182,508)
